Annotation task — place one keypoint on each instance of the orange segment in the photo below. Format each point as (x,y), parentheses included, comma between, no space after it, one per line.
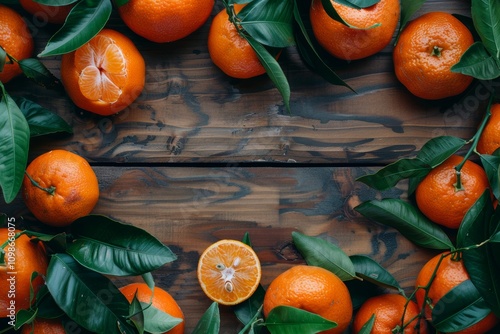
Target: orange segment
(229,272)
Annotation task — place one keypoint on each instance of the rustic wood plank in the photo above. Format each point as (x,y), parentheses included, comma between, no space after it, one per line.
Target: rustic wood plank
(191,112)
(190,208)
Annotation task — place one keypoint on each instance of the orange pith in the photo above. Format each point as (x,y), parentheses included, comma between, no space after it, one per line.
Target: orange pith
(348,43)
(105,75)
(489,141)
(229,272)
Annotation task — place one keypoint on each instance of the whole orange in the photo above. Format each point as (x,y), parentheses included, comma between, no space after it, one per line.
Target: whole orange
(44,326)
(349,43)
(165,21)
(162,300)
(59,187)
(450,273)
(438,198)
(105,75)
(489,141)
(229,51)
(312,289)
(388,310)
(426,50)
(46,13)
(15,39)
(22,258)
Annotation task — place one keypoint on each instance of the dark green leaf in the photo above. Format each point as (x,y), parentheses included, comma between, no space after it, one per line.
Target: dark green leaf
(24,317)
(369,270)
(246,310)
(269,22)
(246,239)
(100,308)
(408,8)
(156,321)
(209,322)
(391,174)
(495,237)
(321,253)
(273,70)
(291,320)
(84,21)
(479,212)
(56,2)
(3,58)
(309,54)
(491,164)
(14,146)
(486,17)
(330,10)
(460,308)
(410,222)
(56,243)
(438,149)
(114,248)
(477,63)
(40,120)
(121,2)
(149,280)
(367,327)
(137,314)
(46,305)
(35,70)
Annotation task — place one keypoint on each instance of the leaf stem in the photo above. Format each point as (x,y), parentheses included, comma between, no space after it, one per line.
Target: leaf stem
(50,191)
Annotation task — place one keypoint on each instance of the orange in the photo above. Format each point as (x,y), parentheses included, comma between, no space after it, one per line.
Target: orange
(15,39)
(229,272)
(162,301)
(348,43)
(59,187)
(426,50)
(312,289)
(489,141)
(388,310)
(46,13)
(229,51)
(44,326)
(438,198)
(165,21)
(451,272)
(22,258)
(105,75)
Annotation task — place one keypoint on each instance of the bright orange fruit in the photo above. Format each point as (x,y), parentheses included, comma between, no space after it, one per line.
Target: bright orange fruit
(46,13)
(44,326)
(489,141)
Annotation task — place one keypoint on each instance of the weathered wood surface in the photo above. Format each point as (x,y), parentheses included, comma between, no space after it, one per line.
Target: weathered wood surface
(190,208)
(191,112)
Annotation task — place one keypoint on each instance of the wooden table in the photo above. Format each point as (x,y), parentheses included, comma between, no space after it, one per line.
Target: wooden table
(200,156)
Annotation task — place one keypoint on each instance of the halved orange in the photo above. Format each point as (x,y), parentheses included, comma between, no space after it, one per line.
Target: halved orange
(229,272)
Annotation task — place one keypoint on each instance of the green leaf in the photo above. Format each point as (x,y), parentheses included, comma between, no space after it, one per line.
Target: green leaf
(408,8)
(391,174)
(369,270)
(291,320)
(137,314)
(84,21)
(360,3)
(41,121)
(3,58)
(56,242)
(100,308)
(438,149)
(273,69)
(478,63)
(24,317)
(495,237)
(46,305)
(34,69)
(321,253)
(459,309)
(486,17)
(157,321)
(367,327)
(114,248)
(332,12)
(410,222)
(149,280)
(209,322)
(479,212)
(310,56)
(120,3)
(14,146)
(269,22)
(491,164)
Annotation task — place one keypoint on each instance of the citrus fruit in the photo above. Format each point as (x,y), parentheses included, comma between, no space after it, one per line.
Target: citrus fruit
(229,51)
(15,39)
(162,301)
(489,141)
(229,272)
(44,326)
(450,273)
(388,310)
(312,289)
(22,258)
(165,21)
(46,13)
(439,199)
(105,75)
(365,39)
(426,50)
(60,186)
